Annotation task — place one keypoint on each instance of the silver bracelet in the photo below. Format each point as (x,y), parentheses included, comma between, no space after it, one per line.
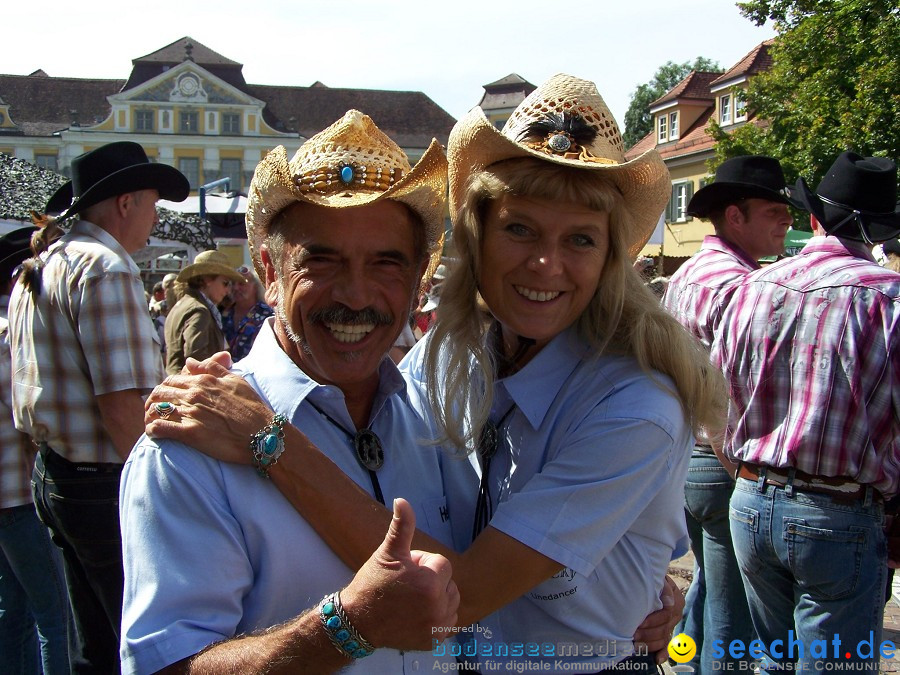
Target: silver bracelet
(340,631)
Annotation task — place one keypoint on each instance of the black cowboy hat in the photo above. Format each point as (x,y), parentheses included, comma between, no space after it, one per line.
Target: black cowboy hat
(15,246)
(892,245)
(739,178)
(114,169)
(857,198)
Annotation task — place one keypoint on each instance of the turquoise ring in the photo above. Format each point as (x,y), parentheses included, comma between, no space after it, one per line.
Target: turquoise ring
(164,409)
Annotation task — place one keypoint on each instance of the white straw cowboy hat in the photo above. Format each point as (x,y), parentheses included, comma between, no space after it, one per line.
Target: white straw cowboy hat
(564,121)
(351,163)
(210,262)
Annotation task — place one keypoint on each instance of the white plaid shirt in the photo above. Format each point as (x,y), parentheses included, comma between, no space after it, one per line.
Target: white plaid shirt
(88,333)
(810,349)
(16,448)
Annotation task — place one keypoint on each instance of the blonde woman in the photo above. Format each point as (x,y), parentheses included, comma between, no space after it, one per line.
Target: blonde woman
(568,394)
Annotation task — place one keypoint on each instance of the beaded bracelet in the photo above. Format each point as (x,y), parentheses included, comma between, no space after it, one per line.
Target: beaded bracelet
(267,445)
(341,632)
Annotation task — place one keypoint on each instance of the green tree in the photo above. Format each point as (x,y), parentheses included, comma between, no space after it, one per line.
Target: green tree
(638,122)
(834,85)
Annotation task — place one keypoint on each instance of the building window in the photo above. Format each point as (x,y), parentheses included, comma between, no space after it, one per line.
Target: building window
(725,109)
(673,125)
(46,161)
(190,123)
(231,123)
(740,108)
(143,120)
(662,121)
(190,167)
(232,169)
(681,195)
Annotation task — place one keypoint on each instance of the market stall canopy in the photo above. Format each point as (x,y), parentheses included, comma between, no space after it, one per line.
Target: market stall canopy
(214,204)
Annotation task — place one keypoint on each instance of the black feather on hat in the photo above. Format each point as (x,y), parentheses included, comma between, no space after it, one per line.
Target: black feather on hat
(857,199)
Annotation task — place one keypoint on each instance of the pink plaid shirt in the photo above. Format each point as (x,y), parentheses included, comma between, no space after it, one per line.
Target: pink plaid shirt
(809,346)
(698,292)
(88,333)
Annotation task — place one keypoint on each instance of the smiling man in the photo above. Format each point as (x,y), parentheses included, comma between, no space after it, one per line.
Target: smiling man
(341,236)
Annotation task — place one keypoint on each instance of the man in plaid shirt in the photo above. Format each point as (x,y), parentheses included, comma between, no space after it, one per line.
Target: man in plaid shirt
(809,345)
(83,353)
(748,206)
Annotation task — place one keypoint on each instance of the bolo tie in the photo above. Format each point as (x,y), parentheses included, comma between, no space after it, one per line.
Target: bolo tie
(488,444)
(367,447)
(489,440)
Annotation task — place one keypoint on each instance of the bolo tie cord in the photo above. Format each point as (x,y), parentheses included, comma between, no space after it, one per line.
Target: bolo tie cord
(368,437)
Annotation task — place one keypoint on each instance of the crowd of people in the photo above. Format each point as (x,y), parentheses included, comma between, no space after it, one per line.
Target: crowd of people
(369,456)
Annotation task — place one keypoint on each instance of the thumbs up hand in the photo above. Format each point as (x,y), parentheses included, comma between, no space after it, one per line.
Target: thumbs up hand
(402,598)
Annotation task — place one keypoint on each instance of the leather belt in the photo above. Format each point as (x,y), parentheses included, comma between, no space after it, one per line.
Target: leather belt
(839,488)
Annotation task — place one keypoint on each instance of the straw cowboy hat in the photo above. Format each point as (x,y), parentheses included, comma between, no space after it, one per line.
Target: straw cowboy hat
(351,163)
(210,263)
(857,198)
(114,169)
(564,121)
(748,176)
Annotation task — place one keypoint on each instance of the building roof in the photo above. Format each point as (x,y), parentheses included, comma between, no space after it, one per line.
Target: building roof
(695,139)
(513,79)
(40,105)
(410,118)
(185,49)
(695,86)
(757,60)
(507,92)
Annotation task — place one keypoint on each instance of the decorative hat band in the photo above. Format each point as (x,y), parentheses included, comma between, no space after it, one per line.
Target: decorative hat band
(347,175)
(564,135)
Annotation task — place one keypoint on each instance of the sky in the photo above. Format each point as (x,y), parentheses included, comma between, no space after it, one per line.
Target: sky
(448,50)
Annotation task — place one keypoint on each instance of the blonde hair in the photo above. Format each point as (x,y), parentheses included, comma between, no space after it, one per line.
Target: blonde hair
(622,318)
(893,262)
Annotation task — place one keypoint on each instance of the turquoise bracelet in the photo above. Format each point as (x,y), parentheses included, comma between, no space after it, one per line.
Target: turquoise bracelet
(340,631)
(267,445)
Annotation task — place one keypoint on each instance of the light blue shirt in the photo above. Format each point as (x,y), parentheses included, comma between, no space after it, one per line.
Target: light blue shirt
(590,473)
(212,550)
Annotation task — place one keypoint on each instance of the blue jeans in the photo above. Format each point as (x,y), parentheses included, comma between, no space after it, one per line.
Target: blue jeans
(716,605)
(815,569)
(79,503)
(33,603)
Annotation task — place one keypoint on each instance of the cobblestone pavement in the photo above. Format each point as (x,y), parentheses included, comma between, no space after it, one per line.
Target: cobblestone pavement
(682,571)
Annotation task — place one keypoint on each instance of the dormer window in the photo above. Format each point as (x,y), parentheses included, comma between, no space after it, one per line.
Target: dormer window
(667,127)
(740,108)
(725,109)
(663,124)
(673,125)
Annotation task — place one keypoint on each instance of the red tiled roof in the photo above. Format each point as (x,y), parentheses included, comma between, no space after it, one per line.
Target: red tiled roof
(694,86)
(695,139)
(758,59)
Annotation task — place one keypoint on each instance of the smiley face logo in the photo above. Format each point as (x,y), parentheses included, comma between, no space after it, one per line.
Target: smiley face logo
(682,648)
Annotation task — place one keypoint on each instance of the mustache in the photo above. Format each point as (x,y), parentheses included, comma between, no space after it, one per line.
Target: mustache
(346,316)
